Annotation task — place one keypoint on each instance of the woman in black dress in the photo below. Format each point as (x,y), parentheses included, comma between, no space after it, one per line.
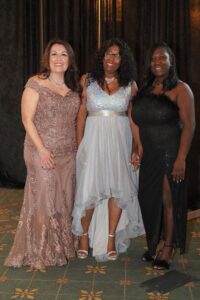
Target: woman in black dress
(163,113)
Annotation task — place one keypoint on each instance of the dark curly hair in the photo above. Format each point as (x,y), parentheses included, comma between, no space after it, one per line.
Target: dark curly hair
(127,71)
(172,79)
(71,76)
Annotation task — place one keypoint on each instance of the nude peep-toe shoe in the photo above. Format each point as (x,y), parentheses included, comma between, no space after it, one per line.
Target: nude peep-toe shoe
(82,253)
(112,255)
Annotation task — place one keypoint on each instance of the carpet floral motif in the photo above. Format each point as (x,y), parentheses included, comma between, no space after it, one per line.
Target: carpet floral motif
(87,279)
(96,269)
(158,296)
(24,294)
(151,271)
(126,282)
(90,295)
(62,281)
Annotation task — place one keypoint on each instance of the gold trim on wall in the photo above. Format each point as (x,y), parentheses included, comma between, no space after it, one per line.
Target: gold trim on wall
(99,22)
(105,14)
(118,10)
(41,28)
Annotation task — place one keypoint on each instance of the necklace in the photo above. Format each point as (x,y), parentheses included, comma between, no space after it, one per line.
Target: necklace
(110,80)
(57,84)
(154,84)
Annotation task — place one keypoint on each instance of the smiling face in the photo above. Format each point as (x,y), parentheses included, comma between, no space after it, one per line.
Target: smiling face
(112,60)
(58,59)
(160,63)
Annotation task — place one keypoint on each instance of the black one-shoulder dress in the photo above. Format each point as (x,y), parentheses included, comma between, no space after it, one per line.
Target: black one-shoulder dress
(160,129)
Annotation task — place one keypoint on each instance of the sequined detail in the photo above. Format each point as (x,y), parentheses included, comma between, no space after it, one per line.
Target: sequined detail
(54,114)
(98,99)
(44,236)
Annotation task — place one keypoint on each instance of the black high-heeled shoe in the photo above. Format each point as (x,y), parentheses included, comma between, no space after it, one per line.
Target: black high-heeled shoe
(162,264)
(147,257)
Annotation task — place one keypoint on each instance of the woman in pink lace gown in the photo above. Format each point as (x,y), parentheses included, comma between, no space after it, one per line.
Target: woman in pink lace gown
(50,104)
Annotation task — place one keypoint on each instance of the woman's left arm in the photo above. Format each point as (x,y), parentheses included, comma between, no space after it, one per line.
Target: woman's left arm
(185,102)
(137,150)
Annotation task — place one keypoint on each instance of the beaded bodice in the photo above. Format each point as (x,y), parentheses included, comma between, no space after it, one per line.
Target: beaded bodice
(55,118)
(158,119)
(98,99)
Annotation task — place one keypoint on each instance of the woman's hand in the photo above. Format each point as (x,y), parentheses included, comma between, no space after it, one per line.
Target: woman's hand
(135,160)
(46,158)
(136,156)
(178,172)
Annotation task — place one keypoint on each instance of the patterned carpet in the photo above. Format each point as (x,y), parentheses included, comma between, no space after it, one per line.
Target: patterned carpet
(87,279)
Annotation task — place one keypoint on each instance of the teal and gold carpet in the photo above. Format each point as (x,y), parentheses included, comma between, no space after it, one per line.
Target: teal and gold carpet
(87,279)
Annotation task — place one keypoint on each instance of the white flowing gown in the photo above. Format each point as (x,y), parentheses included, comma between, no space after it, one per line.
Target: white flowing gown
(104,171)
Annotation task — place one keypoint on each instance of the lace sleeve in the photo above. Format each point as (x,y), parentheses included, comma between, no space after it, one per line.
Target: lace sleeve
(31,83)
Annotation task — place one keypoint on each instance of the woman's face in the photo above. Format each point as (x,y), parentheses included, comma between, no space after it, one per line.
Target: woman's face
(58,59)
(112,60)
(160,63)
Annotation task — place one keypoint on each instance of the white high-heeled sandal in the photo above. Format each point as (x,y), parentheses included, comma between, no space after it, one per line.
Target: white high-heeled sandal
(112,255)
(82,253)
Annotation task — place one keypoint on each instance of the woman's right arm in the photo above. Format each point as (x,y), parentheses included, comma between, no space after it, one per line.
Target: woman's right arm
(28,108)
(137,150)
(82,114)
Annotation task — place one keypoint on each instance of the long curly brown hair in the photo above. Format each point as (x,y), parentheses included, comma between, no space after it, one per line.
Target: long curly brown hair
(71,77)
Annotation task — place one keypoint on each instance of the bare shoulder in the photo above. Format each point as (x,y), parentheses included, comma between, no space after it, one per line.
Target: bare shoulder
(185,98)
(134,88)
(84,79)
(40,80)
(184,88)
(35,78)
(84,76)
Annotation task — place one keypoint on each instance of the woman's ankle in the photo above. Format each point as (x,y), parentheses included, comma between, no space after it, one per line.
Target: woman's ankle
(83,241)
(111,242)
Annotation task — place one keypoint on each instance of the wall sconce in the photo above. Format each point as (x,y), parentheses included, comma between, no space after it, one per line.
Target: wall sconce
(195,14)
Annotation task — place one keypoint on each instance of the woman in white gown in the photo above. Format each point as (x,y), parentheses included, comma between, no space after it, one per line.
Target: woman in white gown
(106,211)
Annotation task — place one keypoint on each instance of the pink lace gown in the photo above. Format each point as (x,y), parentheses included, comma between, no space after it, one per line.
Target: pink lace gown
(44,236)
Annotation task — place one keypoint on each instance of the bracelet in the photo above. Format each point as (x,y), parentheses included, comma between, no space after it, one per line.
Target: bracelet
(41,149)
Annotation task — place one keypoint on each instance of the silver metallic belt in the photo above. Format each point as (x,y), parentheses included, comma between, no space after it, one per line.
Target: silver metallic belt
(107,113)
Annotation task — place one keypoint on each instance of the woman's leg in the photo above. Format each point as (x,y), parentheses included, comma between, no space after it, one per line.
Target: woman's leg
(85,221)
(114,216)
(168,221)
